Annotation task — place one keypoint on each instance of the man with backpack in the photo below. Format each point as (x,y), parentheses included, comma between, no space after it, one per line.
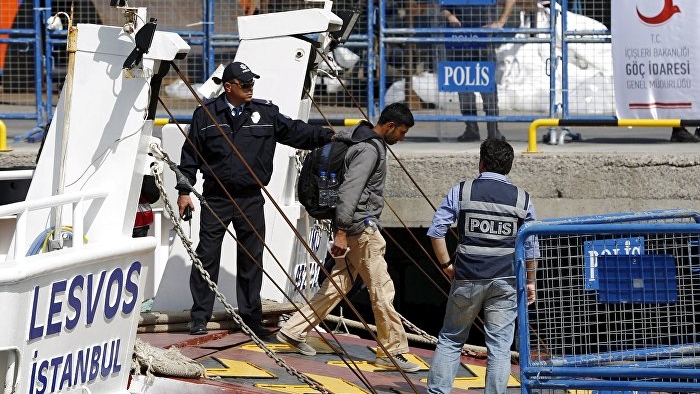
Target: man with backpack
(358,245)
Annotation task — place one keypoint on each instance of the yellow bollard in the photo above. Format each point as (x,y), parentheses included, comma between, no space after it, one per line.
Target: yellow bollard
(3,138)
(554,122)
(532,133)
(351,122)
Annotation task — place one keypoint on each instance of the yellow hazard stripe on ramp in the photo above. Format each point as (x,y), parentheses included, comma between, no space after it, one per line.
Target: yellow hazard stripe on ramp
(238,369)
(478,381)
(316,343)
(334,385)
(369,366)
(275,347)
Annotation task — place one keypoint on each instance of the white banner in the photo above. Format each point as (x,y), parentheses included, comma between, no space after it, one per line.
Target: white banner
(655,52)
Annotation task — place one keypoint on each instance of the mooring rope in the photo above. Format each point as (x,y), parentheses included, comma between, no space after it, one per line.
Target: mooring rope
(170,362)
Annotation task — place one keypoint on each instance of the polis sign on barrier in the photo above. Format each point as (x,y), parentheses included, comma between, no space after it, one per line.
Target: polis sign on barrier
(467,2)
(466,41)
(467,76)
(607,247)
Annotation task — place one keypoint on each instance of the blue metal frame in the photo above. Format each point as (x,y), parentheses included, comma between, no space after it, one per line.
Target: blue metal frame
(375,39)
(552,375)
(388,35)
(205,38)
(574,37)
(207,45)
(29,40)
(371,66)
(660,214)
(553,60)
(35,40)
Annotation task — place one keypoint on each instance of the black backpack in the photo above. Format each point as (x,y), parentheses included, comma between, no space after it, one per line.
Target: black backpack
(329,158)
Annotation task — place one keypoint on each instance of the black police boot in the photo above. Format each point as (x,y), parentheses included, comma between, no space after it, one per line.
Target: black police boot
(471,133)
(492,128)
(257,327)
(681,134)
(198,327)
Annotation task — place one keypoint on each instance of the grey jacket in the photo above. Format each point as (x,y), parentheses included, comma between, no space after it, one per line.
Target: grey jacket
(361,194)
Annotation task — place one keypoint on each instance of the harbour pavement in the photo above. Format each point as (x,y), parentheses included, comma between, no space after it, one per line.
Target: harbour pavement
(609,170)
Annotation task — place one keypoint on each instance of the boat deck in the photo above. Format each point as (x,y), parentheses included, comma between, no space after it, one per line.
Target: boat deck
(236,365)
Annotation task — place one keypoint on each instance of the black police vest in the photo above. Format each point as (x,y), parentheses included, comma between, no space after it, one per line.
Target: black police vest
(490,213)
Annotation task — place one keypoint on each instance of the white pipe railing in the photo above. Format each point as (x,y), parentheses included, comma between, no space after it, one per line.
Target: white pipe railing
(21,210)
(12,175)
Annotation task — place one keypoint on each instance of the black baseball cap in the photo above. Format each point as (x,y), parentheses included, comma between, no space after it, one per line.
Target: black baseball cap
(236,70)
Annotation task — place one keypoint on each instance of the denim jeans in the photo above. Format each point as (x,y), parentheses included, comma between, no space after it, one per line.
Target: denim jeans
(498,298)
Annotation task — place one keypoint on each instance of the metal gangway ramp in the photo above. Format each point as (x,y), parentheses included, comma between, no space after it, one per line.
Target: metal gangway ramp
(618,304)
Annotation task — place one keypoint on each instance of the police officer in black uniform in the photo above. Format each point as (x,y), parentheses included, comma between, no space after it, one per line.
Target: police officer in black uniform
(254,126)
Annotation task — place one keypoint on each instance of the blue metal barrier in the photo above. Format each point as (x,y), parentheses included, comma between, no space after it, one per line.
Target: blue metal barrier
(376,39)
(436,38)
(31,37)
(573,337)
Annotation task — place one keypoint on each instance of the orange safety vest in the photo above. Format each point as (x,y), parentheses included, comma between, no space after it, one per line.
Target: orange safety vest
(249,6)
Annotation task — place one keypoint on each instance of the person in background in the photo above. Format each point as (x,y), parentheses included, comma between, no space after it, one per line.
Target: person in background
(144,213)
(250,7)
(476,16)
(356,231)
(488,210)
(254,127)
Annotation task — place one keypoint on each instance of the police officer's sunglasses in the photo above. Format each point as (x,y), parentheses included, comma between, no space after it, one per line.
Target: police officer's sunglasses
(244,85)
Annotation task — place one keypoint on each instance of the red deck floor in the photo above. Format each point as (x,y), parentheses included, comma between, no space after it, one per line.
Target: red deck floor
(213,349)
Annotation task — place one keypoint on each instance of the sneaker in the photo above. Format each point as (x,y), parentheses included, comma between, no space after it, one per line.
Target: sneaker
(198,327)
(301,347)
(401,361)
(681,134)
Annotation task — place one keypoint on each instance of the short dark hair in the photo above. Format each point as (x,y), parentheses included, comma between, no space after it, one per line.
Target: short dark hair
(397,113)
(496,156)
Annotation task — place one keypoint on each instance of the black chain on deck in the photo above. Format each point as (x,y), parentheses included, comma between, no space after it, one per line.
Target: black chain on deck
(187,243)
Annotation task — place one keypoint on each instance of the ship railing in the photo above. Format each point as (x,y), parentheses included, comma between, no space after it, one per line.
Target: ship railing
(20,211)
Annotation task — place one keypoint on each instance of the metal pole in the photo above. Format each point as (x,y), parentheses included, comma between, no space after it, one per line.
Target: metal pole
(71,48)
(371,64)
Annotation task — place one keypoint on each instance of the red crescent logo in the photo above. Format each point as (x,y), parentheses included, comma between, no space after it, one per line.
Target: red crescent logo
(663,16)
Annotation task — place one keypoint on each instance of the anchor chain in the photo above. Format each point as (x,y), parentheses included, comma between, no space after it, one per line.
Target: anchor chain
(161,155)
